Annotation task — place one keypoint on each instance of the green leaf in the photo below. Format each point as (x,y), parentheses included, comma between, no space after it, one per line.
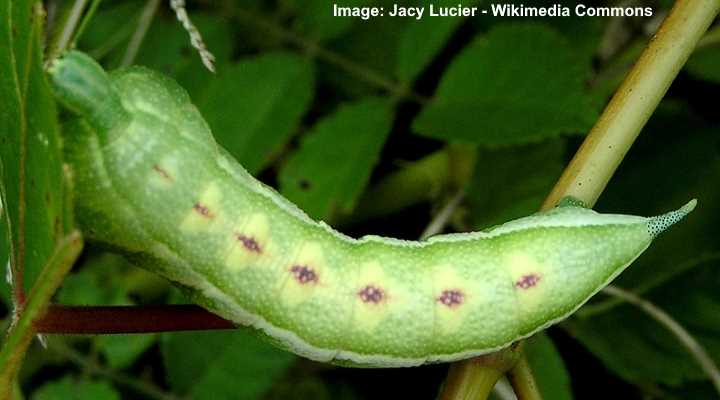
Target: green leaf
(421,40)
(648,352)
(509,183)
(704,63)
(69,389)
(517,84)
(584,34)
(121,351)
(364,58)
(253,106)
(5,289)
(98,281)
(315,18)
(695,390)
(548,368)
(81,288)
(336,157)
(222,365)
(29,143)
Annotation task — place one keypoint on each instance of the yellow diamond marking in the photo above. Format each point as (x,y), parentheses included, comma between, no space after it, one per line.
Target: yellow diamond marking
(311,256)
(519,267)
(367,316)
(449,319)
(209,204)
(257,228)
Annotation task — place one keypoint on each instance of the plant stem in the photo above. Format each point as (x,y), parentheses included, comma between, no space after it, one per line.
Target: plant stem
(523,381)
(633,103)
(96,320)
(617,128)
(686,339)
(477,382)
(21,332)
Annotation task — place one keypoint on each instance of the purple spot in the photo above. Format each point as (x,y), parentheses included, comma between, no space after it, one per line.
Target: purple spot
(371,294)
(249,243)
(304,274)
(451,298)
(527,281)
(202,210)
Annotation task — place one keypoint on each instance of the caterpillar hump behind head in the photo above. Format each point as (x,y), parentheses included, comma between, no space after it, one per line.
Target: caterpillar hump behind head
(151,182)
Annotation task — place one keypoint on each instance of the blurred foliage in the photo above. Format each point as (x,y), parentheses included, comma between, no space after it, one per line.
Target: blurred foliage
(232,365)
(328,109)
(69,389)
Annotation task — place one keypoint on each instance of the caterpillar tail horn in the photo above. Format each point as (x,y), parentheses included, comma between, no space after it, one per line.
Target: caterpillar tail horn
(659,223)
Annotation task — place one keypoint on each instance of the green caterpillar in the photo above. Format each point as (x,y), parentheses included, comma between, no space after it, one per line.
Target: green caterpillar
(151,182)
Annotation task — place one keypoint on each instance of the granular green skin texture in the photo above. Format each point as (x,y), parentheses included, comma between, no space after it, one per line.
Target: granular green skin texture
(151,182)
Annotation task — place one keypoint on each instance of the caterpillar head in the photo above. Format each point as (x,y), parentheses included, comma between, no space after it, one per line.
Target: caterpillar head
(82,86)
(109,101)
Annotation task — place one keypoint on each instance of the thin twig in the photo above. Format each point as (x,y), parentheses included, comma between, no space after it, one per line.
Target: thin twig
(67,30)
(143,25)
(111,43)
(85,22)
(688,341)
(441,219)
(656,280)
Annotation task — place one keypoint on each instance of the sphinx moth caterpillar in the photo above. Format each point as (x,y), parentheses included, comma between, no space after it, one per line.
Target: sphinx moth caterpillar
(151,181)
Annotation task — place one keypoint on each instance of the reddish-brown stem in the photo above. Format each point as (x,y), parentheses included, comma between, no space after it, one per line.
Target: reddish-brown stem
(94,320)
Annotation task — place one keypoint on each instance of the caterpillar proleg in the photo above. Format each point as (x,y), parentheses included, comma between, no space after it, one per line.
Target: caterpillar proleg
(151,181)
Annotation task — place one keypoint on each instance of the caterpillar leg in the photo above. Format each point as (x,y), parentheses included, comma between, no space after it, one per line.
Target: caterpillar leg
(570,201)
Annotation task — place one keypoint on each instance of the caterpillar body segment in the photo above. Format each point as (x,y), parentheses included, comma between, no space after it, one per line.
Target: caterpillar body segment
(151,182)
